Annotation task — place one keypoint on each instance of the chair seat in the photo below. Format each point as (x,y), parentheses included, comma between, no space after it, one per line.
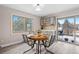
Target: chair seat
(64,48)
(19,49)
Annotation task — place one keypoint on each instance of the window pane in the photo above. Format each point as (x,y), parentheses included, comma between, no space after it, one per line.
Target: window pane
(68,26)
(77,26)
(77,30)
(18,23)
(60,24)
(66,29)
(28,24)
(60,29)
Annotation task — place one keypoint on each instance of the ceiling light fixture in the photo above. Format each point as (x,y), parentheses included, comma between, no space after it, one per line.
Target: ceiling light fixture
(38,7)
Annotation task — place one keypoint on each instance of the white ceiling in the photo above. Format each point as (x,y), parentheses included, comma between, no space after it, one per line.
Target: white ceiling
(47,9)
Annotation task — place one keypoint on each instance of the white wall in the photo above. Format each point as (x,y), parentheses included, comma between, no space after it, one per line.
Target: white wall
(68,13)
(6,34)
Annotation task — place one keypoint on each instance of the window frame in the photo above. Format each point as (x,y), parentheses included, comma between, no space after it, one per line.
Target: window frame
(66,19)
(13,31)
(74,35)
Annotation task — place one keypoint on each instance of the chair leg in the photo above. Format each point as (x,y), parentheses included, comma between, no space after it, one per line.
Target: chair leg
(28,49)
(48,51)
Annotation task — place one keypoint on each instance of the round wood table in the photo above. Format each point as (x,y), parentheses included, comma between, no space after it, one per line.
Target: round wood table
(39,38)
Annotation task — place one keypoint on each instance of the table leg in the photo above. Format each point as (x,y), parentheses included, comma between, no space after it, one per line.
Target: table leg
(38,47)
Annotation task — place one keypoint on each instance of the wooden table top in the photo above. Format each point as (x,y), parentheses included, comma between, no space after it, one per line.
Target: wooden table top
(39,37)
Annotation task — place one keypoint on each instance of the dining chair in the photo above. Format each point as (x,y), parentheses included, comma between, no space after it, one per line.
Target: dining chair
(28,41)
(49,42)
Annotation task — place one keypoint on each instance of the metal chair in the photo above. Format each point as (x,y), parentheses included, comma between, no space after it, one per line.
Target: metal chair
(49,42)
(29,42)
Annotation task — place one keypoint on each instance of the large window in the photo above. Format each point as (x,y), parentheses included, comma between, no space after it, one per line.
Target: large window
(60,25)
(77,26)
(21,24)
(66,29)
(77,30)
(69,26)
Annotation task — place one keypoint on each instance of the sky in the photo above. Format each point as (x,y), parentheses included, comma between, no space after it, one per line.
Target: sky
(77,20)
(15,18)
(70,20)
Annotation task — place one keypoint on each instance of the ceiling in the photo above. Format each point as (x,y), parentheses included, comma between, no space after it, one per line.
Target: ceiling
(46,10)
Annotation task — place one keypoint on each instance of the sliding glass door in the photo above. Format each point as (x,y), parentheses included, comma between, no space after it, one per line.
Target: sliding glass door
(77,30)
(60,28)
(66,29)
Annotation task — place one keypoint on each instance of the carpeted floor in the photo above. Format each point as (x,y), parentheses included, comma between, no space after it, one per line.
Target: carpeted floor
(20,49)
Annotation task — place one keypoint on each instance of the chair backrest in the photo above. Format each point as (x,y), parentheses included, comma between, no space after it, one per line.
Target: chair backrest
(25,38)
(52,39)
